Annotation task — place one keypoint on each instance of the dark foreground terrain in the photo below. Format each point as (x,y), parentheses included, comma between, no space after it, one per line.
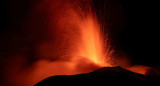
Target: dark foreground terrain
(105,76)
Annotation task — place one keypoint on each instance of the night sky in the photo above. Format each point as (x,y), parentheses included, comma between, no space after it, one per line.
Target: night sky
(134,29)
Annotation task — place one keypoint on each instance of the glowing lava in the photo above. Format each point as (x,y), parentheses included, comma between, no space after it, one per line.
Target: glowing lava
(79,33)
(86,37)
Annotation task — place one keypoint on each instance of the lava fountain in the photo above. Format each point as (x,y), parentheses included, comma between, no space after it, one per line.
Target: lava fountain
(82,33)
(74,42)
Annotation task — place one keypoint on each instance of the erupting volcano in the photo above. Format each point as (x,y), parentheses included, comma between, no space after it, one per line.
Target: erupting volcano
(48,38)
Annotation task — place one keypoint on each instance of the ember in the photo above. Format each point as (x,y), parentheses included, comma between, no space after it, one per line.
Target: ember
(74,38)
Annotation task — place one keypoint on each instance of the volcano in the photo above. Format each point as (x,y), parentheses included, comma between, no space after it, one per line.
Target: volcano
(86,42)
(103,76)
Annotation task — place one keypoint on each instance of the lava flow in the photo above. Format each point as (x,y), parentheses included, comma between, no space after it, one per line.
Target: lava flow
(74,42)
